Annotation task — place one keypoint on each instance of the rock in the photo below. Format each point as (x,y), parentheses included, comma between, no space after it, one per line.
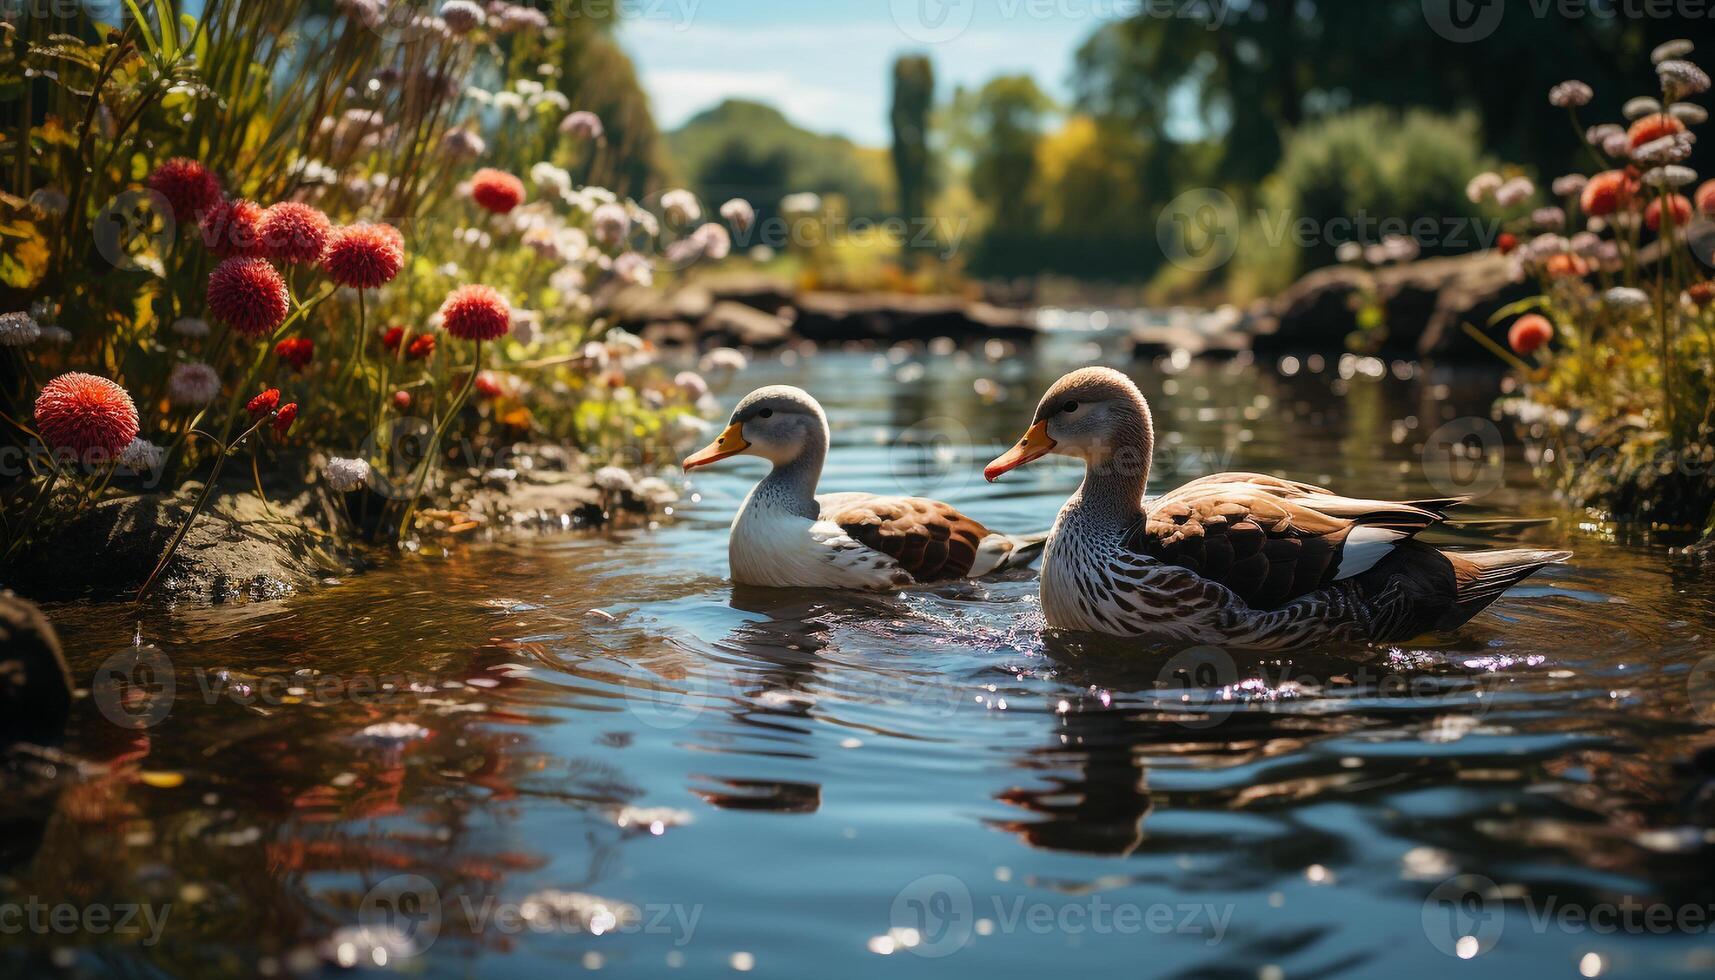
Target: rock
(670,333)
(732,324)
(1317,313)
(1427,301)
(238,547)
(35,684)
(770,294)
(892,317)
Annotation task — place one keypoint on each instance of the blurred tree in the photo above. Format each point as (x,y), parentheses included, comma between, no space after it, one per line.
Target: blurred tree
(813,162)
(595,74)
(738,169)
(1009,116)
(913,97)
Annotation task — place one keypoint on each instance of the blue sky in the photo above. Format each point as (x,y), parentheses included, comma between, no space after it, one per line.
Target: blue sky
(826,63)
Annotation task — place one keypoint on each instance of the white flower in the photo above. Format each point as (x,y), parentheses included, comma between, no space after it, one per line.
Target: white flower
(1549,219)
(462,144)
(19,330)
(613,479)
(1668,149)
(804,202)
(681,206)
(739,214)
(1682,78)
(1570,95)
(1570,185)
(583,125)
(551,101)
(714,241)
(190,326)
(611,223)
(1483,186)
(346,475)
(1597,135)
(1400,248)
(551,179)
(1689,113)
(462,16)
(1617,145)
(142,456)
(1515,191)
(1625,299)
(692,384)
(529,88)
(1349,252)
(689,429)
(1669,176)
(1639,107)
(1671,50)
(192,385)
(634,269)
(723,359)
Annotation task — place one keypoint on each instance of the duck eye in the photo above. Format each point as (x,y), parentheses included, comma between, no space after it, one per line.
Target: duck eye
(1069,407)
(766,413)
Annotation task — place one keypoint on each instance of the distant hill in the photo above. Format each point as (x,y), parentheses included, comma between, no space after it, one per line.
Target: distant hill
(748,149)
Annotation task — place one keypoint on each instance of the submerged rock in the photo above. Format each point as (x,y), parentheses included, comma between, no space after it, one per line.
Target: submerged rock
(35,684)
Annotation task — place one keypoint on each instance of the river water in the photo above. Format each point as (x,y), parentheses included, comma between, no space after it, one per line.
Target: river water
(590,752)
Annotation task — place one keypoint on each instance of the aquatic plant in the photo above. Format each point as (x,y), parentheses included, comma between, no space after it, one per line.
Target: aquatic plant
(1617,351)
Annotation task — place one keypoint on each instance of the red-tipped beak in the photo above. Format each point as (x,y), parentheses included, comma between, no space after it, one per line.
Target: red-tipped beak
(1034,445)
(730,443)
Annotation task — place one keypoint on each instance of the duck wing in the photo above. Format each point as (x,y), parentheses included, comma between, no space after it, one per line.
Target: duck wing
(930,540)
(1270,541)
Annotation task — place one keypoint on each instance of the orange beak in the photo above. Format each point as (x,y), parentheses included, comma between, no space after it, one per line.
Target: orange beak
(1034,445)
(730,443)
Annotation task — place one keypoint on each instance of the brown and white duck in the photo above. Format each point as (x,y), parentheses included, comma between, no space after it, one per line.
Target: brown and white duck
(1239,559)
(786,536)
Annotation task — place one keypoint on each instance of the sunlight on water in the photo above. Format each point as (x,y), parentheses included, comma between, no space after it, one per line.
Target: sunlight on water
(594,753)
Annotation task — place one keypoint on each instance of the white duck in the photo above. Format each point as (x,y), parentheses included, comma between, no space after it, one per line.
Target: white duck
(788,537)
(1237,558)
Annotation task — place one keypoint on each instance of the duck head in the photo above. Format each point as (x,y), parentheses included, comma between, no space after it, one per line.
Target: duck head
(779,423)
(1095,414)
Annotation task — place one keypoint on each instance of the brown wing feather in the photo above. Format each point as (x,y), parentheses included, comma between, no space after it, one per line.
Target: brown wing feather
(1261,537)
(929,539)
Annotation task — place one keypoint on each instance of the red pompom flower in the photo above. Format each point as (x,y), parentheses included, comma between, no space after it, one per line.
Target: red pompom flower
(249,295)
(263,404)
(1607,192)
(496,190)
(1681,212)
(230,229)
(284,418)
(365,256)
(1506,243)
(295,233)
(1651,128)
(393,338)
(188,186)
(476,313)
(296,351)
(1530,332)
(422,347)
(83,413)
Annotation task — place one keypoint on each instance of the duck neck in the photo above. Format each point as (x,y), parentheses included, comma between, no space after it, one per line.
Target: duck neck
(791,486)
(1114,481)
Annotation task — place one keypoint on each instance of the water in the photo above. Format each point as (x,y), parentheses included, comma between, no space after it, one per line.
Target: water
(813,784)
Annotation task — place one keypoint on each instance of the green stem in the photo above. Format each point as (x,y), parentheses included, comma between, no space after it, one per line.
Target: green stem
(431,459)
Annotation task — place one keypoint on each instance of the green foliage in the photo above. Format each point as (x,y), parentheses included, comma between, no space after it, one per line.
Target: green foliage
(1358,177)
(704,149)
(913,97)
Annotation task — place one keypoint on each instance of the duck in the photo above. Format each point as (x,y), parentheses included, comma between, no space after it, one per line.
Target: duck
(786,536)
(1241,560)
